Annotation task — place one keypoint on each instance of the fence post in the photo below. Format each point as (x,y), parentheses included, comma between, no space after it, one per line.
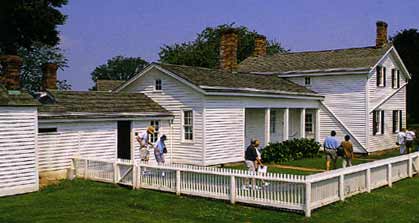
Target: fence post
(134,176)
(115,172)
(308,200)
(341,187)
(389,175)
(139,176)
(233,189)
(177,182)
(410,166)
(368,180)
(86,161)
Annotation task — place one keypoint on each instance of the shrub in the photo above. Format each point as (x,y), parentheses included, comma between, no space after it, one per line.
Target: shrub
(290,150)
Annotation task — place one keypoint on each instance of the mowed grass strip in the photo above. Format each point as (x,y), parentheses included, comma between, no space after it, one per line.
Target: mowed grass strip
(88,201)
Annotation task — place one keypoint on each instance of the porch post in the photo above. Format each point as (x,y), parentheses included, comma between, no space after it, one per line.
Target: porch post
(317,127)
(286,124)
(267,126)
(303,123)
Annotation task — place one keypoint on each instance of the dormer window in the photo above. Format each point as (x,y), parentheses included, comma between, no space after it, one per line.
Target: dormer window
(307,81)
(381,76)
(157,85)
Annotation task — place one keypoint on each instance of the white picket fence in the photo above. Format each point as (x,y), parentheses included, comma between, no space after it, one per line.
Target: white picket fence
(285,191)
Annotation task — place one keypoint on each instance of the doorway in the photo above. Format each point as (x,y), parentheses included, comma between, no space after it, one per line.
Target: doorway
(124,140)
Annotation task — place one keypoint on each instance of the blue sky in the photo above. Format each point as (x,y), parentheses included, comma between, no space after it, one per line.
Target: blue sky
(98,30)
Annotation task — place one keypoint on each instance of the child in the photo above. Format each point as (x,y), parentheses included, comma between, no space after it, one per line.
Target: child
(348,152)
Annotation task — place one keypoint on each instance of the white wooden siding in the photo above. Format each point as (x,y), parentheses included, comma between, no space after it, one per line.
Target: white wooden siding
(396,102)
(255,125)
(18,163)
(87,139)
(345,96)
(174,97)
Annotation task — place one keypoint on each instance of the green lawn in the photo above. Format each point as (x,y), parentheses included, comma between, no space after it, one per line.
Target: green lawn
(87,201)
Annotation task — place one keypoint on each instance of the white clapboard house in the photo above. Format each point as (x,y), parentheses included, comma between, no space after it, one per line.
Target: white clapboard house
(358,91)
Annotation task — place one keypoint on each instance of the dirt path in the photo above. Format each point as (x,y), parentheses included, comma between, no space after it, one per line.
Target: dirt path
(297,168)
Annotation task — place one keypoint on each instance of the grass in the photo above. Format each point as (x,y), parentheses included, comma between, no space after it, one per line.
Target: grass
(88,201)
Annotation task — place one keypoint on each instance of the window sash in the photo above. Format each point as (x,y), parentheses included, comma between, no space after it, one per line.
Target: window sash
(381,76)
(157,85)
(155,136)
(187,125)
(307,81)
(273,121)
(378,122)
(309,123)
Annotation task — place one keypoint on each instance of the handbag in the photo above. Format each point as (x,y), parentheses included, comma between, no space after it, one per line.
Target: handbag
(164,150)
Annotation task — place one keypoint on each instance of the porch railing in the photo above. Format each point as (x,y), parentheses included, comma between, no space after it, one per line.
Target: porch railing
(285,191)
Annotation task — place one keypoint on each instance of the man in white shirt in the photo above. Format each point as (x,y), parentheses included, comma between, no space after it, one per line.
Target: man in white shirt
(142,139)
(401,141)
(410,137)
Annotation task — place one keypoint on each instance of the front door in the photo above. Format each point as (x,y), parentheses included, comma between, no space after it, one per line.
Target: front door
(124,140)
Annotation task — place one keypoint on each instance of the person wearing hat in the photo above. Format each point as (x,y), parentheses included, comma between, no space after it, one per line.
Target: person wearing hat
(142,139)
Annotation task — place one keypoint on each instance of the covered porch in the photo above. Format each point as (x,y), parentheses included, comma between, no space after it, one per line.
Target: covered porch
(281,124)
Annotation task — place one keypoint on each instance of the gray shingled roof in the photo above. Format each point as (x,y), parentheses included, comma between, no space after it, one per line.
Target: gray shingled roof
(349,58)
(226,81)
(99,104)
(16,98)
(108,85)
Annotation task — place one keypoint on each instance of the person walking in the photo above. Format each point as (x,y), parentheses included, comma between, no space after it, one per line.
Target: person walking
(401,141)
(160,149)
(348,152)
(250,159)
(410,137)
(331,145)
(142,139)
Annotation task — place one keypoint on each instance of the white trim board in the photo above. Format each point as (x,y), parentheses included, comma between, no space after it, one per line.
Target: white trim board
(387,98)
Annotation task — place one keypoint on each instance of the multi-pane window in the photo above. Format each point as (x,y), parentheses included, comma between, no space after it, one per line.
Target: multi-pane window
(397,120)
(155,136)
(157,85)
(378,122)
(307,81)
(309,123)
(188,125)
(395,78)
(381,76)
(273,121)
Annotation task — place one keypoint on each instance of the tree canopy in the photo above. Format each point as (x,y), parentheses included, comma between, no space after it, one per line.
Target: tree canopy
(118,68)
(204,50)
(407,44)
(24,22)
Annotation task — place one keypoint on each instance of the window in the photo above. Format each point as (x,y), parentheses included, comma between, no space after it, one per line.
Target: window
(395,78)
(46,130)
(309,123)
(273,121)
(157,85)
(381,76)
(307,81)
(188,125)
(378,122)
(155,136)
(397,120)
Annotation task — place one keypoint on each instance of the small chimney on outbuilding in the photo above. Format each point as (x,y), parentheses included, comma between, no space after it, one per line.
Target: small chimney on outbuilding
(11,71)
(381,39)
(49,76)
(260,46)
(228,50)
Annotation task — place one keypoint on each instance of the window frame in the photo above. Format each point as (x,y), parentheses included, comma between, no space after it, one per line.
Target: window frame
(381,76)
(158,82)
(306,123)
(379,121)
(307,81)
(155,136)
(397,120)
(192,125)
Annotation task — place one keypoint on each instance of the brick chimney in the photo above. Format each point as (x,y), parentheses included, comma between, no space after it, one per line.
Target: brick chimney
(381,39)
(260,46)
(49,76)
(11,71)
(228,50)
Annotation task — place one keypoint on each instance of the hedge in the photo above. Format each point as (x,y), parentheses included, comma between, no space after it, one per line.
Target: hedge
(290,150)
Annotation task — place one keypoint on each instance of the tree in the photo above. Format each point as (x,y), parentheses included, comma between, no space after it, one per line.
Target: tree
(118,68)
(32,61)
(204,50)
(25,22)
(407,45)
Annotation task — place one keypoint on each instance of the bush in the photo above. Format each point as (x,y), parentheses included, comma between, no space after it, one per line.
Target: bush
(290,150)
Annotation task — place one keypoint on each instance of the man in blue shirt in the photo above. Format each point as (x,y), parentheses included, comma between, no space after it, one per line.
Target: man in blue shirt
(331,145)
